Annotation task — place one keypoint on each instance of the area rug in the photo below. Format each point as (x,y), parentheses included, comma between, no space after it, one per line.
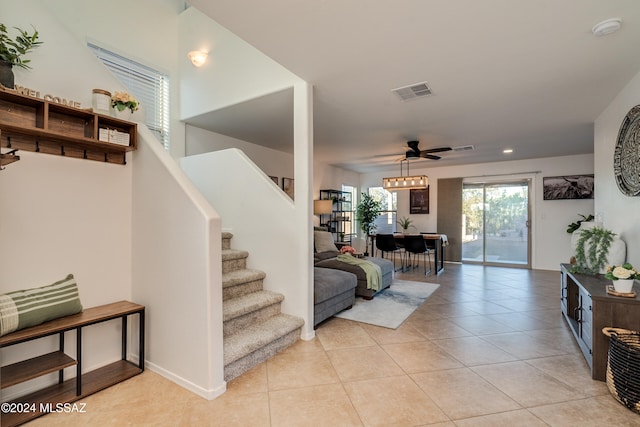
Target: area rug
(391,307)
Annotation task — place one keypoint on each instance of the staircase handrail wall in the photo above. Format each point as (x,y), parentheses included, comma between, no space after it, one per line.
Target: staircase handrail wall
(262,219)
(177,272)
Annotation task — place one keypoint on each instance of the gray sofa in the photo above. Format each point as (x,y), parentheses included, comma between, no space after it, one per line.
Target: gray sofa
(333,291)
(325,257)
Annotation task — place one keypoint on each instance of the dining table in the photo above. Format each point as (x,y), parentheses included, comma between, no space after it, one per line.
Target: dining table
(435,242)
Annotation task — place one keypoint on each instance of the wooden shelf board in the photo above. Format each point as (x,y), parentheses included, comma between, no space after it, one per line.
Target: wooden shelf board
(32,368)
(92,382)
(87,317)
(62,139)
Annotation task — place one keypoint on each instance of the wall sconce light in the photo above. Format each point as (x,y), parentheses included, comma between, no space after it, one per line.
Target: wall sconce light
(198,57)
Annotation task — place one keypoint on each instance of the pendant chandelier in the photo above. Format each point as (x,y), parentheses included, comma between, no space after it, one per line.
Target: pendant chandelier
(405,182)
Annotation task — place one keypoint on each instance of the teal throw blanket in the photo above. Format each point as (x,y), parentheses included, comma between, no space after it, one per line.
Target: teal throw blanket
(371,270)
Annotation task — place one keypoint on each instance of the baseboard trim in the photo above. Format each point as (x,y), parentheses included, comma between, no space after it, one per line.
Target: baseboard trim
(208,394)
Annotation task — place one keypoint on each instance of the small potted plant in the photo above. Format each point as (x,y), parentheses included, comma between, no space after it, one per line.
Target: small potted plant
(405,223)
(124,103)
(622,276)
(12,51)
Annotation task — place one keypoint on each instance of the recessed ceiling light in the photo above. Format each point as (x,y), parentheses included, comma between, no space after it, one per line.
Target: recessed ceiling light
(507,151)
(606,27)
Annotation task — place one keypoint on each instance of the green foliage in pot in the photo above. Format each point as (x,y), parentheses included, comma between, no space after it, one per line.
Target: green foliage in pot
(592,249)
(575,225)
(405,223)
(12,51)
(367,211)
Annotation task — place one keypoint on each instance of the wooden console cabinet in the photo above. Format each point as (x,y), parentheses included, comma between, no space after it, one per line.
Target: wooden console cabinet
(47,400)
(588,308)
(33,124)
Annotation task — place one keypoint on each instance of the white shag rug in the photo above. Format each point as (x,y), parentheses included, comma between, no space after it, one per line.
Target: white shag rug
(391,307)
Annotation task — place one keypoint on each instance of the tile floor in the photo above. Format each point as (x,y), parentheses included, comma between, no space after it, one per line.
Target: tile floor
(489,348)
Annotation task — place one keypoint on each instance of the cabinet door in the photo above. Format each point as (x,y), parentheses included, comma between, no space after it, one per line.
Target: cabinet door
(563,292)
(586,323)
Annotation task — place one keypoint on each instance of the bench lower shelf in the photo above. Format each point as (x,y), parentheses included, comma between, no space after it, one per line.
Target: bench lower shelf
(92,382)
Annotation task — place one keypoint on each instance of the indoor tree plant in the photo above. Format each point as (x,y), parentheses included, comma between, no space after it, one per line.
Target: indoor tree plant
(367,211)
(12,51)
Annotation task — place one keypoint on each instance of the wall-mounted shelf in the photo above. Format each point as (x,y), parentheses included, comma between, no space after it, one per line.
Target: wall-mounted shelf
(32,124)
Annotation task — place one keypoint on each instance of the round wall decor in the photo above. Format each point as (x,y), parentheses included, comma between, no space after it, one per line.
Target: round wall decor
(626,156)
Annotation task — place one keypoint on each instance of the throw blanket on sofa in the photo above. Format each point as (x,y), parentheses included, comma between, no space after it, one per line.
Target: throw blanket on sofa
(371,270)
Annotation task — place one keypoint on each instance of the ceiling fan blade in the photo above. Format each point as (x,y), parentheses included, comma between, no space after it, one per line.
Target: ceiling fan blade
(429,156)
(387,155)
(437,150)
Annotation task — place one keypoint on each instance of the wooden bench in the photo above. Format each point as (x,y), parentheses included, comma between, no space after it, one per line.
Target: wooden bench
(44,401)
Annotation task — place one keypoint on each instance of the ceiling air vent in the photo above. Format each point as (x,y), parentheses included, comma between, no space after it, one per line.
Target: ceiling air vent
(416,90)
(463,148)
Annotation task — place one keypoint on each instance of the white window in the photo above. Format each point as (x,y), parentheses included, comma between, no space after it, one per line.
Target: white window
(386,222)
(148,85)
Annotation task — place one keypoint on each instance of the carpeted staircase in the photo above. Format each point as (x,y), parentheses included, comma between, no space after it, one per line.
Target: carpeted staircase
(254,327)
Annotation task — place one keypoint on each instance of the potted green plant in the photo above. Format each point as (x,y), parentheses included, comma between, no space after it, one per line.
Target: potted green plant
(367,210)
(405,223)
(592,250)
(575,225)
(12,51)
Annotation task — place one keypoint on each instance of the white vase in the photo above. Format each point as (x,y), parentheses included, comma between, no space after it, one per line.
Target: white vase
(125,114)
(623,285)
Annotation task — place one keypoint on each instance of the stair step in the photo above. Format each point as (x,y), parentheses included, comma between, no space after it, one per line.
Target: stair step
(241,282)
(257,307)
(257,343)
(233,259)
(226,240)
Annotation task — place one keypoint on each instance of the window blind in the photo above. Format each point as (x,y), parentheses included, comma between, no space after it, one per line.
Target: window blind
(149,86)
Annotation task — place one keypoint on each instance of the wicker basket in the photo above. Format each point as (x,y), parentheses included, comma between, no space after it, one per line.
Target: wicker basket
(623,369)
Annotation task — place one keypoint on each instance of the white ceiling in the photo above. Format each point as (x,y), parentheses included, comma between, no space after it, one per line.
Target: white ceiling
(521,74)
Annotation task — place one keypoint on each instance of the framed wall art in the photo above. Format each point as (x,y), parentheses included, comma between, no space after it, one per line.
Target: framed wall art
(419,201)
(567,187)
(274,179)
(287,186)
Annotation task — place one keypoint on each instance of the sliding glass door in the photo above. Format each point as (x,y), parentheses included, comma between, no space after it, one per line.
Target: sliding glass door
(495,223)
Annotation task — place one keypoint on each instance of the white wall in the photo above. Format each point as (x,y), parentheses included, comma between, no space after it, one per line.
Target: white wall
(550,242)
(177,272)
(62,215)
(272,162)
(619,211)
(144,30)
(234,72)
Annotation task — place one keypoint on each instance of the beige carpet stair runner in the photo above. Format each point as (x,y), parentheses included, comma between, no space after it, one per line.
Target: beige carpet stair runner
(254,327)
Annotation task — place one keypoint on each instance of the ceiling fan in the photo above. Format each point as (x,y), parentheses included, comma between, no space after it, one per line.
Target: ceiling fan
(415,153)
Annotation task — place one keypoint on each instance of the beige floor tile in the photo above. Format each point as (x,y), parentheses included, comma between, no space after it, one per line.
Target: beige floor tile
(295,370)
(302,346)
(461,393)
(228,410)
(438,328)
(573,371)
(481,325)
(520,418)
(591,412)
(404,333)
(522,346)
(394,401)
(421,357)
(340,333)
(525,384)
(472,351)
(324,405)
(252,381)
(362,363)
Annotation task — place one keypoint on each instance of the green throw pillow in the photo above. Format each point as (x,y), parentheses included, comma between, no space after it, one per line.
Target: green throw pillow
(30,307)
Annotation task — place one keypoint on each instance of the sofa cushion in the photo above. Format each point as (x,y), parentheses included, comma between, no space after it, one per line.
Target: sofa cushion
(30,307)
(323,241)
(321,256)
(329,283)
